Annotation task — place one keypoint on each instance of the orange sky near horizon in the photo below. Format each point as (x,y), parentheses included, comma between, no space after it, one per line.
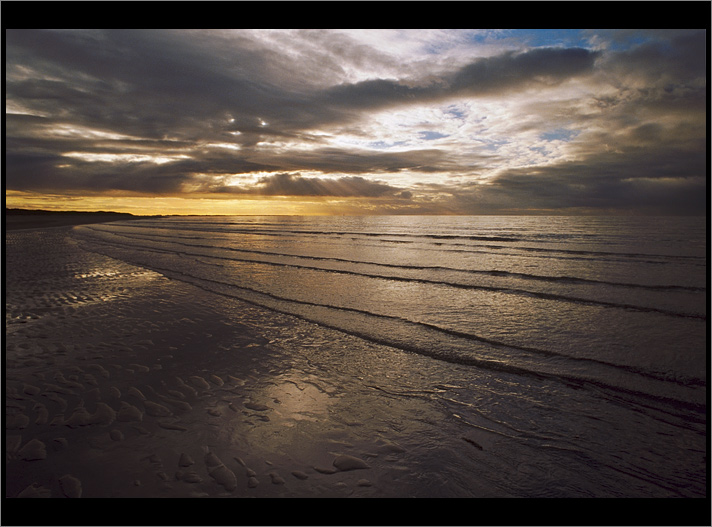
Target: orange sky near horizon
(379,121)
(206,205)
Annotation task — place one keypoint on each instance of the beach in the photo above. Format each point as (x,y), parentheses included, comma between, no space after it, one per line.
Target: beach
(123,383)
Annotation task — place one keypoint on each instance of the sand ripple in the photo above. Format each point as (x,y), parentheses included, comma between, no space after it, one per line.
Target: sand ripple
(71,486)
(115,374)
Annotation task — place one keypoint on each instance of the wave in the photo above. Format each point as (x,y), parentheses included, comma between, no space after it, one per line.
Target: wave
(439,342)
(493,272)
(444,283)
(205,226)
(387,237)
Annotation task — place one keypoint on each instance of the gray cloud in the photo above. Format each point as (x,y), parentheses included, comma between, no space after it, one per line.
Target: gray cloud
(295,185)
(514,70)
(180,86)
(341,160)
(509,71)
(640,137)
(649,180)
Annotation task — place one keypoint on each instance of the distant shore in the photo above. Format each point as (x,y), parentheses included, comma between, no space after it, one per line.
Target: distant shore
(39,219)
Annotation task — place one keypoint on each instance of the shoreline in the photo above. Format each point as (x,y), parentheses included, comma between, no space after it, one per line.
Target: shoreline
(123,383)
(21,219)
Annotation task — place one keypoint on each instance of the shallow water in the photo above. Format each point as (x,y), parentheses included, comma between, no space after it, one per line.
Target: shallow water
(560,357)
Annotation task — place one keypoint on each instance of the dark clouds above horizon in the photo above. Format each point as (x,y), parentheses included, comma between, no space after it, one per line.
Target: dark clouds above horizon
(414,121)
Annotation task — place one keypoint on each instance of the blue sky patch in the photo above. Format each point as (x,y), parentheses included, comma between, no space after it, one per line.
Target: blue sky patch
(430,136)
(560,134)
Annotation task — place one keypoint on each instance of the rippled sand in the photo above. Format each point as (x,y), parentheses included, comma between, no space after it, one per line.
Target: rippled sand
(123,383)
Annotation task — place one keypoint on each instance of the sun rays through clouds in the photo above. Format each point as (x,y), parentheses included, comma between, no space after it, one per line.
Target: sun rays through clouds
(358,121)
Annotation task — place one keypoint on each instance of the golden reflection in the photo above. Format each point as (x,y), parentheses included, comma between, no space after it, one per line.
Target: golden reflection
(114,282)
(298,400)
(125,158)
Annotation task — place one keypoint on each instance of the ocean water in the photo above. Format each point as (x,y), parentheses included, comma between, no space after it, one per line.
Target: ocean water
(575,348)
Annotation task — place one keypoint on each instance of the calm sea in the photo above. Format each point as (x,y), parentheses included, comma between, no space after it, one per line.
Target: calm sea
(598,325)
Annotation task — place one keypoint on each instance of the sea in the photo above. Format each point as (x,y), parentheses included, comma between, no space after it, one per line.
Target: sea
(573,350)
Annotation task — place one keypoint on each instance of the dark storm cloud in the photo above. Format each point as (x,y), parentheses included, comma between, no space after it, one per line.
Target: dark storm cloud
(509,71)
(40,167)
(144,83)
(296,185)
(339,160)
(164,91)
(40,172)
(177,93)
(649,180)
(672,54)
(158,83)
(642,149)
(513,70)
(33,171)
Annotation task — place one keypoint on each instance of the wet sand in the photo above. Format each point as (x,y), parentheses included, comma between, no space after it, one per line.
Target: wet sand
(123,383)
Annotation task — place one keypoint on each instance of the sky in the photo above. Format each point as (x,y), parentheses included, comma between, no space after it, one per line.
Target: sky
(380,121)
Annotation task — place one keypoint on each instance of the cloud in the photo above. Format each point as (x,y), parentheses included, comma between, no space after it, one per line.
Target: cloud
(464,120)
(515,70)
(184,87)
(294,185)
(647,180)
(509,71)
(340,160)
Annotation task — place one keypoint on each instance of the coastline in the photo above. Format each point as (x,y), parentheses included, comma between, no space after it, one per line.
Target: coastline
(123,383)
(15,219)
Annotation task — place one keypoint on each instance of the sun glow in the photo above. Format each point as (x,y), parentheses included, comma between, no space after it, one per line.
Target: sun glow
(125,158)
(409,119)
(83,132)
(195,204)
